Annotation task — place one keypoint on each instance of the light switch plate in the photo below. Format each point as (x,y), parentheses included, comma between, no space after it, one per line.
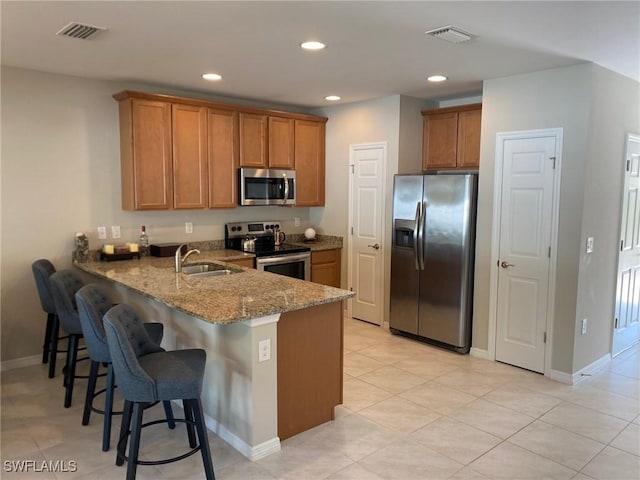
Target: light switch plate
(589,244)
(115,231)
(296,221)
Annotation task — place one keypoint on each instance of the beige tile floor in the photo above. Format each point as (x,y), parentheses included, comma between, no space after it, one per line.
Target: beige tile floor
(411,411)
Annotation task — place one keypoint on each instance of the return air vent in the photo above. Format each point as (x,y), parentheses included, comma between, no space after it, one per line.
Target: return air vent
(449,34)
(82,31)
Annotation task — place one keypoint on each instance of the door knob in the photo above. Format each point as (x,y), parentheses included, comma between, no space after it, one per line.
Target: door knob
(376,246)
(506,264)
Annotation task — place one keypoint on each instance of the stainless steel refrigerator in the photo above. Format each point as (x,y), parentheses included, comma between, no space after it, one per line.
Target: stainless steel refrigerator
(434,219)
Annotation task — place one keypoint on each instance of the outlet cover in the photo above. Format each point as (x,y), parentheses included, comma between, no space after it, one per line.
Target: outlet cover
(589,244)
(264,350)
(115,231)
(102,233)
(296,221)
(584,326)
(188,227)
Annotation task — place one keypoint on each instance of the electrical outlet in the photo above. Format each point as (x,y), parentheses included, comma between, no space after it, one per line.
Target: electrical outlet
(296,221)
(115,231)
(188,227)
(589,244)
(264,350)
(584,326)
(102,233)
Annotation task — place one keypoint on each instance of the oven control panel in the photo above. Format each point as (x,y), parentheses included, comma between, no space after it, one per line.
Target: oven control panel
(250,228)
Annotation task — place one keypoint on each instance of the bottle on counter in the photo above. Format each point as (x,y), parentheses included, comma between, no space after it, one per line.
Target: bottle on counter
(144,242)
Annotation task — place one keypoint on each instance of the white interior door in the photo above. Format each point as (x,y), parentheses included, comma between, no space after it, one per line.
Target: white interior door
(526,208)
(366,272)
(627,321)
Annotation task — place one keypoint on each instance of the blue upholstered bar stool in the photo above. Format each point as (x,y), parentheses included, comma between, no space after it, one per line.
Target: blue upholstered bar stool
(42,271)
(93,303)
(147,373)
(65,284)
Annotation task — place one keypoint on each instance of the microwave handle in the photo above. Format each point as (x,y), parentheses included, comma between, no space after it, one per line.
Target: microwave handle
(286,189)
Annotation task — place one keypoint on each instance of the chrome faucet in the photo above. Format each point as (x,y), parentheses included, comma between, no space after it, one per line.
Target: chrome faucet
(180,259)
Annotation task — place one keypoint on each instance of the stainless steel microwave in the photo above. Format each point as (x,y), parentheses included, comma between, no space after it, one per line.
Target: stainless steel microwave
(266,186)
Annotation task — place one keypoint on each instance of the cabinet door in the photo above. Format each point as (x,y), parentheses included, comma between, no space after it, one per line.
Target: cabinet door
(469,139)
(281,142)
(325,267)
(253,140)
(309,164)
(440,137)
(150,155)
(189,127)
(222,128)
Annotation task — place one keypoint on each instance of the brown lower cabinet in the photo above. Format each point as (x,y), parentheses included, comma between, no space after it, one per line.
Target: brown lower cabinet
(325,267)
(243,262)
(310,360)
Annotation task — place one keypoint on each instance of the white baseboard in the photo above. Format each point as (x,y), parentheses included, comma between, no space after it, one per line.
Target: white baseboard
(572,379)
(479,353)
(20,362)
(253,453)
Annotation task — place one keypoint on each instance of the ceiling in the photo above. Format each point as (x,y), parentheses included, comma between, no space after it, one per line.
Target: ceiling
(374,49)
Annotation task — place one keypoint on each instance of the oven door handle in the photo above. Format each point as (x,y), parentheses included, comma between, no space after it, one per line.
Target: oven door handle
(282,259)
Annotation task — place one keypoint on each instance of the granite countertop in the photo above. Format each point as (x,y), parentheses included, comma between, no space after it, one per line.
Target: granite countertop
(217,299)
(322,242)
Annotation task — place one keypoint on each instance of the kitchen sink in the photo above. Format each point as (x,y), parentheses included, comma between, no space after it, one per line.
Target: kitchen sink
(208,270)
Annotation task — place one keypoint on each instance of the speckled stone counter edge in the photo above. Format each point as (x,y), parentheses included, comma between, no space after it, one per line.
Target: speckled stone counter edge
(221,300)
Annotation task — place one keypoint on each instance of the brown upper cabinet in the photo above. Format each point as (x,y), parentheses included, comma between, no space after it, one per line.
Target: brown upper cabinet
(179,153)
(309,161)
(451,137)
(266,141)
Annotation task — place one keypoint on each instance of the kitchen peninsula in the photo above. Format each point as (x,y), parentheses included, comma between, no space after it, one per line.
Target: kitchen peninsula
(274,344)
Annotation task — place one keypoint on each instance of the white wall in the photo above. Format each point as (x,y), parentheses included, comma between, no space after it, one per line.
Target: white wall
(395,120)
(61,174)
(615,112)
(571,98)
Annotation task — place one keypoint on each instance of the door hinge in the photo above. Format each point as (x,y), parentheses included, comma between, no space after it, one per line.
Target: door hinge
(353,168)
(544,339)
(616,323)
(628,168)
(549,252)
(621,245)
(351,230)
(553,162)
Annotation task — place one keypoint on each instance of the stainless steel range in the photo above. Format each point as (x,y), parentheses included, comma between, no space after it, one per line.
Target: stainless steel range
(267,242)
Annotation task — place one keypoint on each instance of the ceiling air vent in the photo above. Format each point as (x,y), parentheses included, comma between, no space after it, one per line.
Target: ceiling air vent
(449,34)
(82,31)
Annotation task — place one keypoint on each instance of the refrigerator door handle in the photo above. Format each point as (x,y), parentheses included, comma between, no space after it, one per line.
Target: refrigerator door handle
(416,243)
(423,223)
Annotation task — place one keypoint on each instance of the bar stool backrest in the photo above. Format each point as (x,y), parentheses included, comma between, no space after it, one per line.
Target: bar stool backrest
(42,271)
(93,303)
(65,284)
(128,340)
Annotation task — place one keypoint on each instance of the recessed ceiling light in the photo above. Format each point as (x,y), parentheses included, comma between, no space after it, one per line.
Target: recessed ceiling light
(212,77)
(332,98)
(313,45)
(437,78)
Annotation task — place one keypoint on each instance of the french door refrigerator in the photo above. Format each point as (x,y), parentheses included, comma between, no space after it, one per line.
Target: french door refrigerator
(434,218)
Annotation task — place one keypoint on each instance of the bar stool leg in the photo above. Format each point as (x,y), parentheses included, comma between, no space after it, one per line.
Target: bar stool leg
(47,338)
(124,432)
(203,439)
(108,409)
(70,369)
(188,416)
(132,461)
(168,411)
(53,346)
(91,390)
